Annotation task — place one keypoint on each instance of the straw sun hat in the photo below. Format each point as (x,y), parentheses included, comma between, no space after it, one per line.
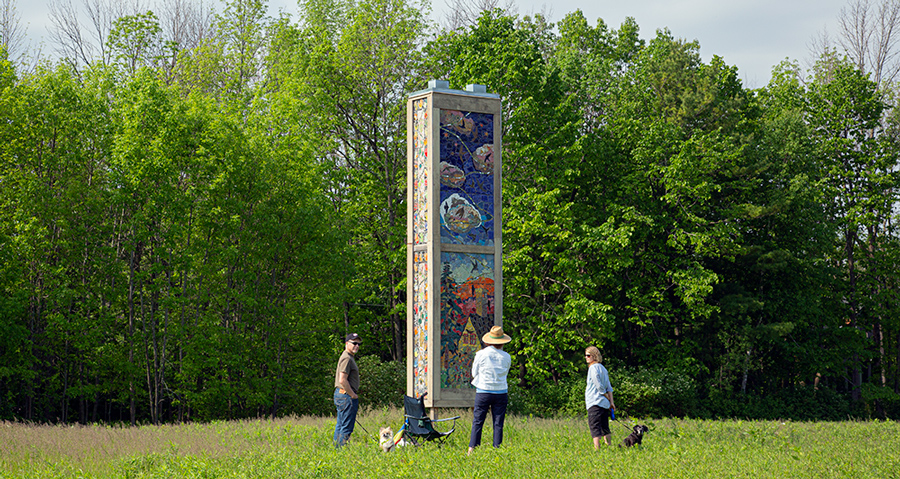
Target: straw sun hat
(496,336)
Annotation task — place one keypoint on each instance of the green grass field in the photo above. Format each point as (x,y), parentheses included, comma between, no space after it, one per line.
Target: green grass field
(301,447)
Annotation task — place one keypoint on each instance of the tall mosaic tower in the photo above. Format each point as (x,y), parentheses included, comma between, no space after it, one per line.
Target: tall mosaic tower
(454,247)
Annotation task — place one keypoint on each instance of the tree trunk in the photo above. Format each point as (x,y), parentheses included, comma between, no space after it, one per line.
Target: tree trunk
(397,324)
(746,372)
(856,375)
(897,369)
(131,388)
(878,336)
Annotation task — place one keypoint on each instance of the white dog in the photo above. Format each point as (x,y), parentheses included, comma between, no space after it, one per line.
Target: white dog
(386,439)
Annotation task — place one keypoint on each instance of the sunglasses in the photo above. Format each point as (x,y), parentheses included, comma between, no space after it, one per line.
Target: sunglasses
(357,343)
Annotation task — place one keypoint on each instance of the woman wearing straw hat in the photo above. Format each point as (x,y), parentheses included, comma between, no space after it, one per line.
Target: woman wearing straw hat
(489,370)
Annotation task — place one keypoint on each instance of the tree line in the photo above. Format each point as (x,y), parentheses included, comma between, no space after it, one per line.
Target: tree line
(198,201)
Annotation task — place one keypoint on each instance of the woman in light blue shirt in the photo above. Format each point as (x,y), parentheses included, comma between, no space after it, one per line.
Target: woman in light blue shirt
(598,397)
(489,370)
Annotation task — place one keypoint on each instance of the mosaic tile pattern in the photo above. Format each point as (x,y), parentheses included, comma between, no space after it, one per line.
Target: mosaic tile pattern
(467,178)
(420,160)
(420,323)
(467,313)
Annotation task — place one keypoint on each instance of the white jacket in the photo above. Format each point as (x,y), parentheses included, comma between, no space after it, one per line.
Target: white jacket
(489,369)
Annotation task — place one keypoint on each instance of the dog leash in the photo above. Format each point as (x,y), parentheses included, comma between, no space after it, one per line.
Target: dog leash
(621,423)
(366,431)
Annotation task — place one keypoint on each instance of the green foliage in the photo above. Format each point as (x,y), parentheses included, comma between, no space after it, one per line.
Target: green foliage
(880,402)
(382,384)
(344,75)
(14,357)
(637,393)
(241,37)
(171,255)
(548,400)
(135,40)
(859,159)
(654,392)
(802,403)
(184,232)
(7,69)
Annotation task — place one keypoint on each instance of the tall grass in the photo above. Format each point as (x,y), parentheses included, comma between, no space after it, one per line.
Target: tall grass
(533,447)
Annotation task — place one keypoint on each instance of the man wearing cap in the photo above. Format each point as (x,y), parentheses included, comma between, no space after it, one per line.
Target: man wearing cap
(489,370)
(346,388)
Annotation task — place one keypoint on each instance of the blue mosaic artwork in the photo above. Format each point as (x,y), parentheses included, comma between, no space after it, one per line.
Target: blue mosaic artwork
(467,178)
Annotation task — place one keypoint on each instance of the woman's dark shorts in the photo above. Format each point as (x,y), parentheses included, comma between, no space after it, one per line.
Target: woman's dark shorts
(598,421)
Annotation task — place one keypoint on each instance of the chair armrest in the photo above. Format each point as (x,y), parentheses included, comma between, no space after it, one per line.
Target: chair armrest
(446,419)
(422,418)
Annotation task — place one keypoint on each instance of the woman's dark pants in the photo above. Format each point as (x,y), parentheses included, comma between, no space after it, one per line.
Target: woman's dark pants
(496,403)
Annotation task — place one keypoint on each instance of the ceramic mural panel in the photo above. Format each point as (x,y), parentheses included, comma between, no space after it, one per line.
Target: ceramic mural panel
(420,323)
(467,313)
(420,177)
(467,178)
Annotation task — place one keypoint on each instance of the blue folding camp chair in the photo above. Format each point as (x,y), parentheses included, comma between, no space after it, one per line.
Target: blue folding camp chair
(418,428)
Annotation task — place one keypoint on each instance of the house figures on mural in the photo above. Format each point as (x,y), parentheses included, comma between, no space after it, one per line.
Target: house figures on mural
(457,365)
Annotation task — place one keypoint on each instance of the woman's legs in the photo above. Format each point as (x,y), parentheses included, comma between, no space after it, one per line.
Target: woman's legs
(482,404)
(598,422)
(496,403)
(498,414)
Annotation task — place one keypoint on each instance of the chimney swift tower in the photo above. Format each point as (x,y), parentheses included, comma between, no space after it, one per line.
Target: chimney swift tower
(454,262)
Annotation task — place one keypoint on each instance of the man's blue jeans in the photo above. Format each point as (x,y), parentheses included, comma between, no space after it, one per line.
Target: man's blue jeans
(346,416)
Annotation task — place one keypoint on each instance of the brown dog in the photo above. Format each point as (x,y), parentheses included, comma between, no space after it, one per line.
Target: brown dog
(634,439)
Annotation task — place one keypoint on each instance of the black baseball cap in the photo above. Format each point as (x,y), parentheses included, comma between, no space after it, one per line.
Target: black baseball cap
(352,337)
